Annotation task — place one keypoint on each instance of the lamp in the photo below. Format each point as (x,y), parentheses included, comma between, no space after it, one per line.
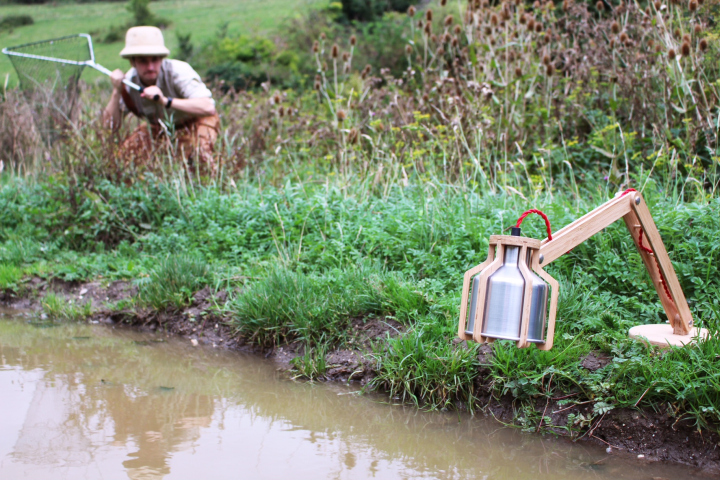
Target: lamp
(502,307)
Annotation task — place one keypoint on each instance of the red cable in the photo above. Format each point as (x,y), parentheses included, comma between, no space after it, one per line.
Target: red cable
(547,221)
(650,252)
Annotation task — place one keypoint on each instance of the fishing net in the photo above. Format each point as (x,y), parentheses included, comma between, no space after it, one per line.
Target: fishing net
(50,83)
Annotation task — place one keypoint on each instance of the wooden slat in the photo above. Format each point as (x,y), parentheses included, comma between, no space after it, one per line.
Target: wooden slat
(683,324)
(467,286)
(584,228)
(527,298)
(482,293)
(554,293)
(633,224)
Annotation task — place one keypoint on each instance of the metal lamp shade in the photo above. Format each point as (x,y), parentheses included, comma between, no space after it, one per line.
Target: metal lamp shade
(504,302)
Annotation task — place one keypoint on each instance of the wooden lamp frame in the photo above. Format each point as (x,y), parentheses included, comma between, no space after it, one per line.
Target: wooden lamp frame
(633,210)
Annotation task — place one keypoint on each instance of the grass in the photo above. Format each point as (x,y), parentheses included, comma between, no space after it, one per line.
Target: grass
(318,219)
(200,18)
(59,308)
(172,281)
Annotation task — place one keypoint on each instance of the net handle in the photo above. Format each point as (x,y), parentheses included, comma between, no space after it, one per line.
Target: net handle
(88,63)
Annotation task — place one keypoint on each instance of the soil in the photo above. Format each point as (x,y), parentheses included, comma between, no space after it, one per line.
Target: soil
(649,436)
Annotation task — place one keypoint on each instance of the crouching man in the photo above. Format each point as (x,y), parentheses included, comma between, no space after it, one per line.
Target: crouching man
(174,98)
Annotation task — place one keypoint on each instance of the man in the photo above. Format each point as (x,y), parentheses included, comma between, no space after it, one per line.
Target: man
(173,98)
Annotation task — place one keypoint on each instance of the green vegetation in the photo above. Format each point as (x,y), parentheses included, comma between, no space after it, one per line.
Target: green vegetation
(202,18)
(367,192)
(58,307)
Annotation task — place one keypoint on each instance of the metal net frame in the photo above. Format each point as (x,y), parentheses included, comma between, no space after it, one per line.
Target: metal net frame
(49,73)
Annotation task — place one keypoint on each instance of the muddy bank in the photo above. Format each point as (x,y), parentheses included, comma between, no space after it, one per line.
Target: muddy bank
(649,436)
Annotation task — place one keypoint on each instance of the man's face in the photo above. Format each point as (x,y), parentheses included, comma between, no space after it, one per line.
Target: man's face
(148,68)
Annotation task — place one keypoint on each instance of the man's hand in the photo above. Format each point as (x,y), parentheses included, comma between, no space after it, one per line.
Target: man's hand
(116,78)
(152,92)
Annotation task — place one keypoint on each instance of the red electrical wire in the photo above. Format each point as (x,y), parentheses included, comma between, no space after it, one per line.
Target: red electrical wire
(650,252)
(547,221)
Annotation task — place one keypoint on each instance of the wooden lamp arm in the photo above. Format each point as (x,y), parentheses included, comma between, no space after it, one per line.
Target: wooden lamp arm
(633,210)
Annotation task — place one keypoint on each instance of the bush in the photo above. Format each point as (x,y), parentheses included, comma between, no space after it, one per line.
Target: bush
(13,21)
(371,10)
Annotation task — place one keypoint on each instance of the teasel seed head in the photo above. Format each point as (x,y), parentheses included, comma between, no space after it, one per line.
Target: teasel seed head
(685,49)
(488,31)
(697,29)
(420,24)
(531,24)
(612,43)
(346,56)
(446,37)
(671,54)
(455,42)
(549,69)
(428,28)
(353,40)
(281,111)
(353,136)
(341,115)
(518,72)
(429,15)
(335,51)
(648,12)
(703,45)
(440,51)
(408,49)
(546,59)
(448,20)
(693,5)
(433,38)
(701,2)
(276,99)
(538,27)
(324,66)
(322,36)
(677,33)
(443,3)
(411,11)
(494,20)
(657,5)
(566,5)
(523,19)
(600,6)
(317,85)
(615,27)
(623,37)
(457,29)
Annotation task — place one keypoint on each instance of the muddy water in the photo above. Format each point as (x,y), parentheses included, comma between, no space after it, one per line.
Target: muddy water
(91,402)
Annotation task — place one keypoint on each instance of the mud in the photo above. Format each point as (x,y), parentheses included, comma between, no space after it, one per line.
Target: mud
(649,436)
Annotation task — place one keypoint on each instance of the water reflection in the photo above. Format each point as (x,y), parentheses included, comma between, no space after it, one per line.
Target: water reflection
(95,403)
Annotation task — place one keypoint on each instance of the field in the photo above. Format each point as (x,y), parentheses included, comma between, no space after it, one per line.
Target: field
(356,195)
(200,18)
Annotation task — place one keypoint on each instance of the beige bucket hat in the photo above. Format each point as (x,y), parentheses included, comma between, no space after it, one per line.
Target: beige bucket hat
(144,41)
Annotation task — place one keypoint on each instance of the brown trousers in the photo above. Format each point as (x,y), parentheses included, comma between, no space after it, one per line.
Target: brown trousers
(194,143)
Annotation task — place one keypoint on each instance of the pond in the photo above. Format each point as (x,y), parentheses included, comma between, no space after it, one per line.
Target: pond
(94,402)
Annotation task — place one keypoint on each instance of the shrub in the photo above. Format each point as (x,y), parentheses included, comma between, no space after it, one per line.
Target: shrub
(13,21)
(371,10)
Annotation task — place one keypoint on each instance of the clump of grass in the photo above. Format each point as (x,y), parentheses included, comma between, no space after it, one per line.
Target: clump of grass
(426,371)
(317,308)
(312,364)
(58,307)
(172,282)
(10,275)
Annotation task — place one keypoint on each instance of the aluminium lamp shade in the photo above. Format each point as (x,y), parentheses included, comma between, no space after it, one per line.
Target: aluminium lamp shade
(508,300)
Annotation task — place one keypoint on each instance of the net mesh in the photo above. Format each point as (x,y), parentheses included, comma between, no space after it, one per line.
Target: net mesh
(52,88)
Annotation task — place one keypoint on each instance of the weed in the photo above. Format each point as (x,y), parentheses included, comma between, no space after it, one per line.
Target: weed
(172,281)
(58,307)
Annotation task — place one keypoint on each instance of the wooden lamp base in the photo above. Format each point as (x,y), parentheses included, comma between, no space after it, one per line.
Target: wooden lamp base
(662,335)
